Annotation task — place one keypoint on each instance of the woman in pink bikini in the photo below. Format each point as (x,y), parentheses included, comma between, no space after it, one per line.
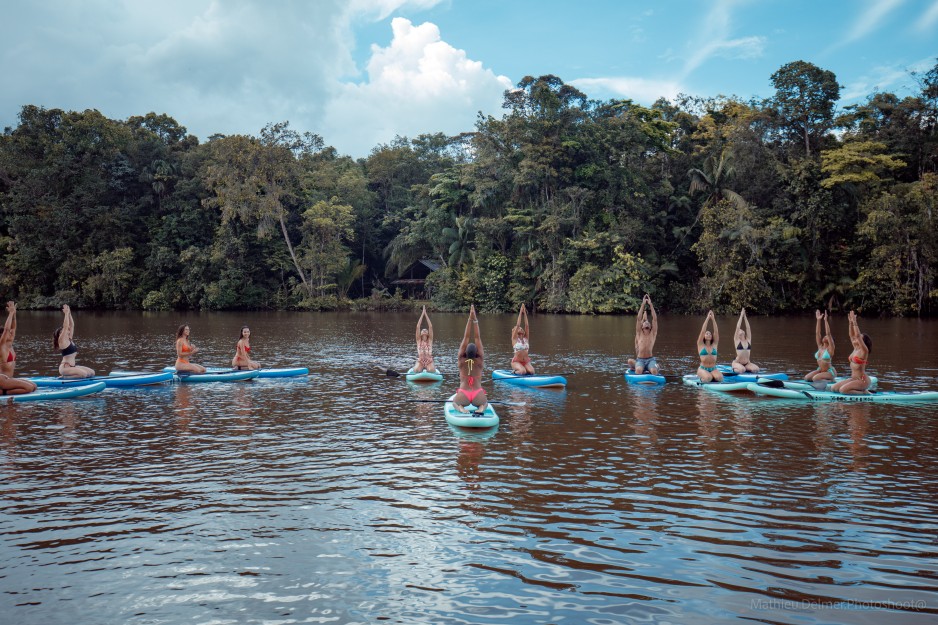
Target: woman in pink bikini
(242,358)
(471,361)
(858,382)
(8,384)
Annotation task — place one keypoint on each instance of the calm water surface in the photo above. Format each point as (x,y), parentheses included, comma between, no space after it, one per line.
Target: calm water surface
(336,499)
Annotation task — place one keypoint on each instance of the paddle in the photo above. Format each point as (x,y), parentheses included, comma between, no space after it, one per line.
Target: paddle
(446,401)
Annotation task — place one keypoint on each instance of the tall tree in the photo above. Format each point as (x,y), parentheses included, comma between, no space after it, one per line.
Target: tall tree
(804,100)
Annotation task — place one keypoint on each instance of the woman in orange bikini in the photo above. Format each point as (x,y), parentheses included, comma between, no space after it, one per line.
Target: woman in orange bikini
(8,384)
(470,360)
(859,382)
(424,345)
(184,350)
(824,353)
(242,358)
(707,348)
(520,342)
(62,341)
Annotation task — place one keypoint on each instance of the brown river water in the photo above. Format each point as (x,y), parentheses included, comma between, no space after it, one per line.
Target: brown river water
(335,498)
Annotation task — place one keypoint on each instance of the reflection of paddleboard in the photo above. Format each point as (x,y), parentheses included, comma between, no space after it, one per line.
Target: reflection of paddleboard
(287,372)
(804,385)
(218,376)
(113,380)
(468,420)
(721,387)
(528,380)
(67,392)
(645,378)
(829,396)
(423,376)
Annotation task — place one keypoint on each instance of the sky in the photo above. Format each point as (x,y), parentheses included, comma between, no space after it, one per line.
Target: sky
(360,72)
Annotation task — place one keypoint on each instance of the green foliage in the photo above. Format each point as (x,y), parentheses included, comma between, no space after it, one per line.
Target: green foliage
(618,288)
(564,203)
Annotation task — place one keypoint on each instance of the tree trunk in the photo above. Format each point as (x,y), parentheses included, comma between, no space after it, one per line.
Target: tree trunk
(296,264)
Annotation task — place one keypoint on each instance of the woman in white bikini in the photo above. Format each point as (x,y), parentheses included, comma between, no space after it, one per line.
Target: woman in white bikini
(520,343)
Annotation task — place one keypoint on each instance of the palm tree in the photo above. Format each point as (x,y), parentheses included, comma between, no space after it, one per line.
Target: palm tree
(462,239)
(713,178)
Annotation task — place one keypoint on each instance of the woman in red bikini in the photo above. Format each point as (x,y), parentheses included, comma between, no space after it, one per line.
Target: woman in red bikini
(520,342)
(424,345)
(242,358)
(858,382)
(185,349)
(8,384)
(471,361)
(62,341)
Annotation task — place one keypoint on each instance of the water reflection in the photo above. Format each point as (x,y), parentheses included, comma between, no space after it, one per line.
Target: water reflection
(337,499)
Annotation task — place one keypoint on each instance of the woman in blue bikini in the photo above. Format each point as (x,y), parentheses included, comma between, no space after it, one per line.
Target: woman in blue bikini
(824,353)
(707,348)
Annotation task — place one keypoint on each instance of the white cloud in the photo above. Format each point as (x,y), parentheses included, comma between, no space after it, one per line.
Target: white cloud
(870,19)
(418,84)
(227,66)
(641,90)
(714,40)
(929,17)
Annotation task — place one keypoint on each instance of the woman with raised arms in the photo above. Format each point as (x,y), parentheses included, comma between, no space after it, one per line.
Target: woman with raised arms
(707,348)
(520,343)
(424,345)
(742,364)
(825,351)
(8,384)
(470,360)
(62,341)
(858,382)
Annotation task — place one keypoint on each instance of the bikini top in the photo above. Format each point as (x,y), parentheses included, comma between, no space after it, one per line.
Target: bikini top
(704,352)
(825,356)
(521,345)
(11,356)
(71,349)
(740,346)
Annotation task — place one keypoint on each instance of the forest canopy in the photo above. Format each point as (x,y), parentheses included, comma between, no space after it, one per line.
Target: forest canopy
(565,203)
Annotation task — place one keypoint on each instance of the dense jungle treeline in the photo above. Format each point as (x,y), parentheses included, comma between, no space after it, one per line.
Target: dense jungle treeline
(562,202)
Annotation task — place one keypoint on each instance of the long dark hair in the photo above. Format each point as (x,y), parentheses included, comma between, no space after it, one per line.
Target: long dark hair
(243,328)
(55,338)
(868,342)
(181,329)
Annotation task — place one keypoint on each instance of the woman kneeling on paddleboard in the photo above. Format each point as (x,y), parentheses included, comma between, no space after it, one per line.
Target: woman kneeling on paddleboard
(707,348)
(185,349)
(242,358)
(859,382)
(520,342)
(62,341)
(8,384)
(424,345)
(743,364)
(471,361)
(824,353)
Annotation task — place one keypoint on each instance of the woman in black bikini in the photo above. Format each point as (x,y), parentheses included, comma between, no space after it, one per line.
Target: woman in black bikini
(471,360)
(858,382)
(742,364)
(62,341)
(8,384)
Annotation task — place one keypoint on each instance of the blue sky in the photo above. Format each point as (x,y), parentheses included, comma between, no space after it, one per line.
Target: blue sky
(359,72)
